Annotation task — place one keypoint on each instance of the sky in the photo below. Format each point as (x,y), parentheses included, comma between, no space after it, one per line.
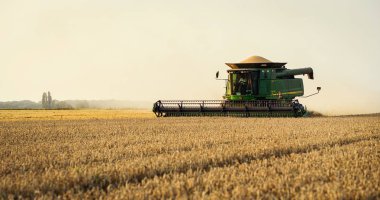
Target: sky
(170,49)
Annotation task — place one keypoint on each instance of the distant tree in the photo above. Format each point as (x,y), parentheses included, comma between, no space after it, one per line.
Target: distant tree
(44,100)
(62,105)
(49,101)
(83,104)
(54,104)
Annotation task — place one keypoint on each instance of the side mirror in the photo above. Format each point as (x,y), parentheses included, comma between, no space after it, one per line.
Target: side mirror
(217,74)
(318,89)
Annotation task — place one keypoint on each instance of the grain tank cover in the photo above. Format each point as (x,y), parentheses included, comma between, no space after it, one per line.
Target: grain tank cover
(255,62)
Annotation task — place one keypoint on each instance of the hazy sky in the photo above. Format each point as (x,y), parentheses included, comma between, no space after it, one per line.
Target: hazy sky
(150,50)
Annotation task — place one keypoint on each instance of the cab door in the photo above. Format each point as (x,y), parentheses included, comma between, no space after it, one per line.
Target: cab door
(254,81)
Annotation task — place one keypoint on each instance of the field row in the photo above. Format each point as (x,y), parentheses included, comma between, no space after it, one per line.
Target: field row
(190,157)
(311,175)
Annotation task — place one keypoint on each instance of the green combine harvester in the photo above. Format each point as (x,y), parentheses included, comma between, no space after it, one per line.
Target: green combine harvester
(256,87)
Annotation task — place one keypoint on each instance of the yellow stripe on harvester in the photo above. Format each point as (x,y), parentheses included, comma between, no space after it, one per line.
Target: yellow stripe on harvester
(283,93)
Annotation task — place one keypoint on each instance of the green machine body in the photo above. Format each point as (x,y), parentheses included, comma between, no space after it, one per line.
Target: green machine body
(257,78)
(255,87)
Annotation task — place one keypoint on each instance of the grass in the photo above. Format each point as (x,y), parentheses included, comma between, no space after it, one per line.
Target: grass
(132,155)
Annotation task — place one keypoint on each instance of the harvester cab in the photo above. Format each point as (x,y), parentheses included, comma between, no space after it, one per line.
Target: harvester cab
(254,87)
(265,80)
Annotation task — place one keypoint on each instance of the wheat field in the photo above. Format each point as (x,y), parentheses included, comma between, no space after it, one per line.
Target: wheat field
(133,155)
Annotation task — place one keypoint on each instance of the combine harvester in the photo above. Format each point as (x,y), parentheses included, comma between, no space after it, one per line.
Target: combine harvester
(256,87)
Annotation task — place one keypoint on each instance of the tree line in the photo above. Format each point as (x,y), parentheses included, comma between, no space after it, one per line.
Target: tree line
(47,102)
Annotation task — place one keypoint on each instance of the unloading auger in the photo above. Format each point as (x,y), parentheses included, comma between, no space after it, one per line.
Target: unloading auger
(256,87)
